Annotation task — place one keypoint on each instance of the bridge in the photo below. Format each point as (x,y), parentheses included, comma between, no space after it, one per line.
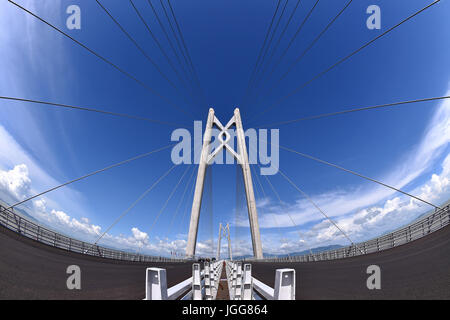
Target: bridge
(35,269)
(413,259)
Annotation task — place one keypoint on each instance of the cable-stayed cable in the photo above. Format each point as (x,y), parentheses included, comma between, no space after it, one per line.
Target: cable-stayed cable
(186,49)
(127,34)
(299,29)
(142,84)
(252,75)
(89,175)
(281,204)
(67,106)
(188,183)
(320,74)
(330,114)
(158,44)
(277,44)
(277,24)
(289,215)
(300,57)
(174,33)
(167,200)
(358,174)
(186,208)
(320,210)
(163,28)
(124,213)
(264,196)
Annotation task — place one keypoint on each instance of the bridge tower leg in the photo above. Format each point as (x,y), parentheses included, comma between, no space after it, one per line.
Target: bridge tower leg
(218,245)
(250,195)
(242,158)
(229,242)
(197,201)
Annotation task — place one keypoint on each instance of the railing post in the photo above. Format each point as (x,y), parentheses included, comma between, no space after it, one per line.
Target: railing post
(238,283)
(284,284)
(233,279)
(212,278)
(156,284)
(196,282)
(247,283)
(19,224)
(208,292)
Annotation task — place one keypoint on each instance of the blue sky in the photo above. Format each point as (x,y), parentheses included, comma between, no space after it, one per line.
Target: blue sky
(406,146)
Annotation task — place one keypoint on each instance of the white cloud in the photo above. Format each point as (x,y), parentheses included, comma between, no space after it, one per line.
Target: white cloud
(21,171)
(375,220)
(62,222)
(140,236)
(32,60)
(16,182)
(341,202)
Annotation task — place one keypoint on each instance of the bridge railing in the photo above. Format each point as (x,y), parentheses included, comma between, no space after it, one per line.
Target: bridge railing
(243,286)
(202,285)
(416,230)
(29,229)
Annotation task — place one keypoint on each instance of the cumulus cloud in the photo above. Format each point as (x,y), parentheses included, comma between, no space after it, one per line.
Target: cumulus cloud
(63,222)
(140,236)
(365,212)
(341,202)
(375,220)
(15,185)
(16,182)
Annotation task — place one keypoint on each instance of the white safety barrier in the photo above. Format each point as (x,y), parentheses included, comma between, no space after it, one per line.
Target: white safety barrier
(242,286)
(202,285)
(247,282)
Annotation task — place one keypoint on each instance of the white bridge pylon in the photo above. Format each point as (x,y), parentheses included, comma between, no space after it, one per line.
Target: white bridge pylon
(226,231)
(206,159)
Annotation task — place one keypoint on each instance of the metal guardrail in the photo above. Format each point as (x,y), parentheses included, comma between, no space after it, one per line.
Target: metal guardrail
(17,223)
(242,286)
(201,286)
(416,230)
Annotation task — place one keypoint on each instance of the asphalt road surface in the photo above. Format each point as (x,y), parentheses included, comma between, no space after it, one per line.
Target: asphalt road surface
(418,270)
(31,270)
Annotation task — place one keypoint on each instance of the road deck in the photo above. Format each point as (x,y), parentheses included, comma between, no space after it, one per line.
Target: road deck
(417,270)
(32,270)
(222,290)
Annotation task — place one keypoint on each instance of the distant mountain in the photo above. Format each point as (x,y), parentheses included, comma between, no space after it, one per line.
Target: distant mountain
(20,212)
(300,253)
(317,250)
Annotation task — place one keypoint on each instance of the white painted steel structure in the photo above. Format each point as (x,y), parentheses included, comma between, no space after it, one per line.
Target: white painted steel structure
(206,159)
(226,231)
(242,286)
(202,285)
